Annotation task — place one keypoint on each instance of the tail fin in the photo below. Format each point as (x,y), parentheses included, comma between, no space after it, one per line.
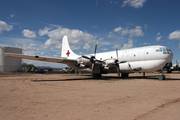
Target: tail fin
(66,50)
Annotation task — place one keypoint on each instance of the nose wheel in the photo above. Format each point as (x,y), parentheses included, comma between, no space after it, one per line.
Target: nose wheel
(162,76)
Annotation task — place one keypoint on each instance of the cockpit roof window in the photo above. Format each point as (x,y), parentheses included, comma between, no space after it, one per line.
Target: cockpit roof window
(164,50)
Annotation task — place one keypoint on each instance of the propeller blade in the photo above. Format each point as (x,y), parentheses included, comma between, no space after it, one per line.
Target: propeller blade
(118,70)
(92,72)
(123,62)
(85,57)
(95,50)
(117,53)
(117,63)
(101,61)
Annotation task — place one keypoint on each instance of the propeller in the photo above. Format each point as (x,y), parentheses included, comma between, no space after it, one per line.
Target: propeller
(93,59)
(117,63)
(95,50)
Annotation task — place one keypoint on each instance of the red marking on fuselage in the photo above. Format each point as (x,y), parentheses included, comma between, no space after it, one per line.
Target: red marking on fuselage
(68,53)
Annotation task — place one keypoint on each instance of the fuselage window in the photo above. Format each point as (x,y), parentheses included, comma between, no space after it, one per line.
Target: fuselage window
(147,53)
(134,55)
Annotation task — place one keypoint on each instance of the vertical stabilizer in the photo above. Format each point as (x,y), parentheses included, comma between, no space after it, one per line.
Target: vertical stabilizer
(66,50)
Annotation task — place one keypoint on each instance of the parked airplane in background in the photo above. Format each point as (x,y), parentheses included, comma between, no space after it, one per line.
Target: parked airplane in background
(142,59)
(175,67)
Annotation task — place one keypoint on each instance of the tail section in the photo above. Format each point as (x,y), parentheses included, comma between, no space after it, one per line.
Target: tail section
(66,50)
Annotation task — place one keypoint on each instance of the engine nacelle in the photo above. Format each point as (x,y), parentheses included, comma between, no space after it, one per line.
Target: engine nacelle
(111,63)
(83,62)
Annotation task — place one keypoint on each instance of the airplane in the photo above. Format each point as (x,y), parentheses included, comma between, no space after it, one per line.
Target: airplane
(141,59)
(175,67)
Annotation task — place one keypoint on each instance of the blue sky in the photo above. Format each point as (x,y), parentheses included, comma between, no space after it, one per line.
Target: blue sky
(37,26)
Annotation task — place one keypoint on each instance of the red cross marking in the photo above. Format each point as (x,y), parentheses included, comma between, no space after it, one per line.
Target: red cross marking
(68,53)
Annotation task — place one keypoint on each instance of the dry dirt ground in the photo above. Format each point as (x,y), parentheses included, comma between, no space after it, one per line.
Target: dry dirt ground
(71,97)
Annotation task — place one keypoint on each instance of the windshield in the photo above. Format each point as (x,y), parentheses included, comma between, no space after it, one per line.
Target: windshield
(165,50)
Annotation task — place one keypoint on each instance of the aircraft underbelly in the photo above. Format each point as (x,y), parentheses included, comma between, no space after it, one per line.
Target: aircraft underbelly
(142,66)
(137,66)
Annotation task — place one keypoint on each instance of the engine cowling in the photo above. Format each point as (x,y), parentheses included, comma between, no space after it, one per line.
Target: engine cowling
(111,63)
(83,63)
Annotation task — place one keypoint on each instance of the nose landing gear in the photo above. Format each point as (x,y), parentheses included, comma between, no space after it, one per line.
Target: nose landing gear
(162,76)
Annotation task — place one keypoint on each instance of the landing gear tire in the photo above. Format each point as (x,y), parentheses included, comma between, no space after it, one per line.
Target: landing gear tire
(169,71)
(96,75)
(124,75)
(162,77)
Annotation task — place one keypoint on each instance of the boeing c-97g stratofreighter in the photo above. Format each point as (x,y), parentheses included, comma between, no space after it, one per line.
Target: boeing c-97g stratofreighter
(141,59)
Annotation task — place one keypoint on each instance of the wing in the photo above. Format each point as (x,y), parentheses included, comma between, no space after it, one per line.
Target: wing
(47,59)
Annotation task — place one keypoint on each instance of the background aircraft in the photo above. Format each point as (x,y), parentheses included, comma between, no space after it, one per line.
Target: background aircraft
(142,59)
(175,67)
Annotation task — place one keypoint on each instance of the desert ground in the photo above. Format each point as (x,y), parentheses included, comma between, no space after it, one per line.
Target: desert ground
(70,97)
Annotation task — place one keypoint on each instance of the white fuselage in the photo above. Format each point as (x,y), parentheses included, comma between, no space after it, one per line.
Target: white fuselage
(150,58)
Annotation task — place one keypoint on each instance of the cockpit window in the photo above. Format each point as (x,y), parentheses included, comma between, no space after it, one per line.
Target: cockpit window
(164,50)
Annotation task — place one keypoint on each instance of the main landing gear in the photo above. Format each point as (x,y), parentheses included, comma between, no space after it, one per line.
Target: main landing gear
(162,76)
(97,75)
(124,75)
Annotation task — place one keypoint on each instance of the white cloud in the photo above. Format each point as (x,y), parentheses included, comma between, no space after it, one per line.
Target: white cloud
(30,50)
(87,46)
(158,33)
(5,27)
(110,34)
(136,32)
(118,29)
(96,26)
(128,45)
(145,26)
(44,31)
(58,53)
(12,15)
(29,34)
(104,49)
(42,53)
(74,36)
(113,1)
(158,38)
(106,43)
(175,35)
(116,46)
(134,3)
(75,47)
(32,44)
